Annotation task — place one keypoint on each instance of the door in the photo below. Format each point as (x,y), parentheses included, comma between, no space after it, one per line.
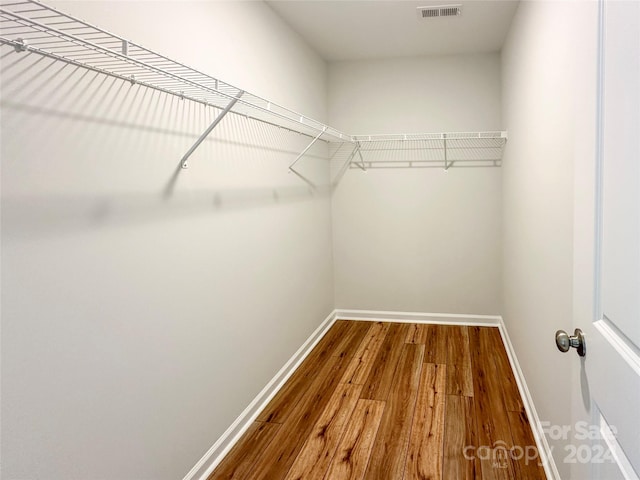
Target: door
(610,372)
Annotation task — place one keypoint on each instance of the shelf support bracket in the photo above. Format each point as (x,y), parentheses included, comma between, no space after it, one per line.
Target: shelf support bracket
(227,109)
(345,167)
(20,45)
(446,165)
(361,164)
(324,129)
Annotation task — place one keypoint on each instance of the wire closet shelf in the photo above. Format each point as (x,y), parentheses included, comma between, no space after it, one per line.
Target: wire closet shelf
(29,26)
(424,150)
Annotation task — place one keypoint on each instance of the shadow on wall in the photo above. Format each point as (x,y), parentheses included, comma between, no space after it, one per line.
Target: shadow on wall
(47,214)
(81,149)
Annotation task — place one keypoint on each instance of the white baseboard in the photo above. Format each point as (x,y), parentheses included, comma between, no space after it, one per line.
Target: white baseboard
(417,317)
(544,450)
(217,452)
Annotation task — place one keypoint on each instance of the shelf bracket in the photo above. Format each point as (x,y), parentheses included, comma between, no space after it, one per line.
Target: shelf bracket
(183,161)
(345,167)
(361,164)
(324,129)
(446,165)
(20,45)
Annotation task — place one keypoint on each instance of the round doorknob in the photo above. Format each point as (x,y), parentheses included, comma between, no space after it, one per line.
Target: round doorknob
(564,342)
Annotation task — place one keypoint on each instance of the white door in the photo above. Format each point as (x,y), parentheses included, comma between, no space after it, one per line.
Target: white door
(610,371)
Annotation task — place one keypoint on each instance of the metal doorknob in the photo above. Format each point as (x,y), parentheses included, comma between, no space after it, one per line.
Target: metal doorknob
(564,342)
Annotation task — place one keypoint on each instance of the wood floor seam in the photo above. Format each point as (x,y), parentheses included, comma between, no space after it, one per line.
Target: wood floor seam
(391,401)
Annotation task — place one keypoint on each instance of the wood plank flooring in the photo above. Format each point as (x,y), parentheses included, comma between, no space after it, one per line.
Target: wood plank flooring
(393,401)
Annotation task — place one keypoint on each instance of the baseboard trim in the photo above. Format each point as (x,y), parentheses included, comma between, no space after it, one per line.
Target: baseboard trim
(544,450)
(223,445)
(419,317)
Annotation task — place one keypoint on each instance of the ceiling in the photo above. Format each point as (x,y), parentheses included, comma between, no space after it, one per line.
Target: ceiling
(365,29)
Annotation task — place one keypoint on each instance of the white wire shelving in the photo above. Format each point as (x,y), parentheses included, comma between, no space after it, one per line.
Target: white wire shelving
(424,150)
(31,27)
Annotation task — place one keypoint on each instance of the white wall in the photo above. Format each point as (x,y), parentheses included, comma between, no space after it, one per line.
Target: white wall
(136,328)
(548,82)
(418,239)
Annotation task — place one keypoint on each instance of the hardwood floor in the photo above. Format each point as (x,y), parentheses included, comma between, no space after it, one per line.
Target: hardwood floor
(393,401)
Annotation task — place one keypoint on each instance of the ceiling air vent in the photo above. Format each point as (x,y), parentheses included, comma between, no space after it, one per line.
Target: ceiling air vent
(439,11)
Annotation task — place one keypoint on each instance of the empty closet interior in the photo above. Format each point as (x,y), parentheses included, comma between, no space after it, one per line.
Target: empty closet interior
(190,189)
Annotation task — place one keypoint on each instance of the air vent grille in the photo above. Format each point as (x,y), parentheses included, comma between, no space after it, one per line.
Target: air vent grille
(439,11)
